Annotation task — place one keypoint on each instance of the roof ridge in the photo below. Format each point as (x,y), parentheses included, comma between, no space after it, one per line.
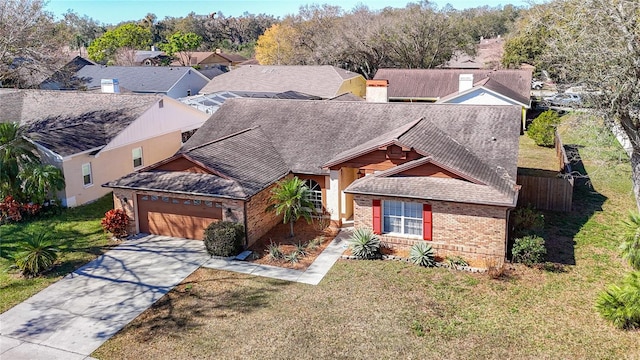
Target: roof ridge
(222,138)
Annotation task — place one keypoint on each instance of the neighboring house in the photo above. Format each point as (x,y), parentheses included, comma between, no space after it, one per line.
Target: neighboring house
(325,81)
(455,86)
(172,81)
(207,59)
(94,138)
(412,172)
(488,56)
(64,77)
(211,102)
(151,58)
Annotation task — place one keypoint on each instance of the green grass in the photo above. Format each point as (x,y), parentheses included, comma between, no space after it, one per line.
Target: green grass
(385,309)
(77,229)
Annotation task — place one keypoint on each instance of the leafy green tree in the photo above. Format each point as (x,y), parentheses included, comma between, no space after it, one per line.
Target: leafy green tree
(630,246)
(119,45)
(291,197)
(183,44)
(83,30)
(543,128)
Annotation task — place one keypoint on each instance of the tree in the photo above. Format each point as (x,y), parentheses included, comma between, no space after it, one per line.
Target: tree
(543,128)
(275,46)
(182,44)
(291,198)
(29,42)
(23,175)
(16,154)
(83,30)
(119,45)
(597,43)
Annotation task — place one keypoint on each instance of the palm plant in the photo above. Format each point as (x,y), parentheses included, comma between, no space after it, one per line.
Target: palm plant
(291,199)
(630,246)
(39,181)
(36,254)
(16,153)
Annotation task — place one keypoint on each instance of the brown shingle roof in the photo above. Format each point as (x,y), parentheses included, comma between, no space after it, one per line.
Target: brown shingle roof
(68,122)
(437,83)
(481,141)
(321,80)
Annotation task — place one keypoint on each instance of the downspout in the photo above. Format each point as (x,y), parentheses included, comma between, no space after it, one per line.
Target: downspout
(246,231)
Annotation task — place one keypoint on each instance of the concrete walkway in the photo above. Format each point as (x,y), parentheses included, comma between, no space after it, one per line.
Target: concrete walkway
(313,275)
(73,317)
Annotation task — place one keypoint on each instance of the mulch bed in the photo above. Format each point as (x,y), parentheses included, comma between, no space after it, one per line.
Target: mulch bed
(304,233)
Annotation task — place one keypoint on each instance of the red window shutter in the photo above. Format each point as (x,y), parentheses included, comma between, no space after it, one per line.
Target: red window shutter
(377,217)
(426,222)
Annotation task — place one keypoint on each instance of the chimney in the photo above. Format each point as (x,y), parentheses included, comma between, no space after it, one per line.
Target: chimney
(110,86)
(465,82)
(218,51)
(377,91)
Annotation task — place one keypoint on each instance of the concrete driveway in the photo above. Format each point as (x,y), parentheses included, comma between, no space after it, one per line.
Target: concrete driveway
(73,317)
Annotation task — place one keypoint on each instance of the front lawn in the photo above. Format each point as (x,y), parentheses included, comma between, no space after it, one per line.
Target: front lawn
(77,228)
(384,309)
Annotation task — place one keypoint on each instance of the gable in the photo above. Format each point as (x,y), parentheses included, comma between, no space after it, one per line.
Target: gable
(383,158)
(481,96)
(429,170)
(182,164)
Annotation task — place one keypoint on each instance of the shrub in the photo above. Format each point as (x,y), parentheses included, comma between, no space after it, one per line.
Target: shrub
(224,238)
(301,249)
(13,210)
(456,261)
(365,244)
(116,222)
(542,129)
(630,246)
(422,254)
(621,304)
(274,251)
(529,250)
(36,255)
(315,243)
(527,221)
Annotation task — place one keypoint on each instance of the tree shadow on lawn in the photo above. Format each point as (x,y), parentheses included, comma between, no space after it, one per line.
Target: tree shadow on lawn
(562,227)
(196,301)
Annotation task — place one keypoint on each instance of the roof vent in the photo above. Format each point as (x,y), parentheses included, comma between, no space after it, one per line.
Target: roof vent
(465,82)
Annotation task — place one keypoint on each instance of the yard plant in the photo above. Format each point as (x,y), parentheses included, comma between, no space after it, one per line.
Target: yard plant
(529,250)
(116,222)
(365,244)
(422,254)
(542,129)
(224,238)
(36,254)
(620,304)
(291,199)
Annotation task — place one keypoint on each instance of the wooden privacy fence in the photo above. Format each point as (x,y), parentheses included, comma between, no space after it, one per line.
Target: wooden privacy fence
(553,193)
(546,193)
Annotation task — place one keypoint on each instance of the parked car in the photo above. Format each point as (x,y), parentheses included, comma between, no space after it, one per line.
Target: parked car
(564,100)
(536,84)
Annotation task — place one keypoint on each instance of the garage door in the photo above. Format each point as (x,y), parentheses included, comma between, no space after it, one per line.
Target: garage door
(177,217)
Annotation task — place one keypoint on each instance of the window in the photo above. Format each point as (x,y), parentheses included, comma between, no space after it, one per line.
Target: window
(402,218)
(137,157)
(315,195)
(87,177)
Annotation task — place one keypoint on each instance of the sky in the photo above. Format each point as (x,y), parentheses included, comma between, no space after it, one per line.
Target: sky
(115,11)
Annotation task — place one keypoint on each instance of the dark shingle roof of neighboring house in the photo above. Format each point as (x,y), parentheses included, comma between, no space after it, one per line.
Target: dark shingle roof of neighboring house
(144,79)
(72,122)
(438,83)
(255,142)
(347,97)
(495,86)
(320,80)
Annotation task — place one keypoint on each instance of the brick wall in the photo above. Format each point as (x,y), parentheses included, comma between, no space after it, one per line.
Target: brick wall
(259,222)
(477,233)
